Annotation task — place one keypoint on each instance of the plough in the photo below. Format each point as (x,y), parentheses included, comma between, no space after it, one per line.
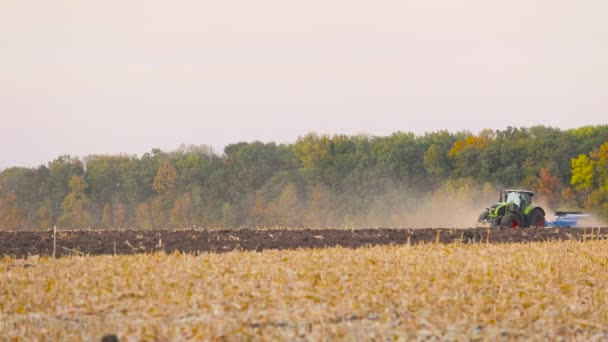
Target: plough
(568,219)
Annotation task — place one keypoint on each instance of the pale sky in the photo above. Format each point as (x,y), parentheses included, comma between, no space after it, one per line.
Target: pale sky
(87,77)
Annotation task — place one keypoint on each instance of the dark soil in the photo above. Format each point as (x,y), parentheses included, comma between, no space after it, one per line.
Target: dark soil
(99,242)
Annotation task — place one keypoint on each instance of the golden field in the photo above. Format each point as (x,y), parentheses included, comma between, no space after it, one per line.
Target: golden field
(533,291)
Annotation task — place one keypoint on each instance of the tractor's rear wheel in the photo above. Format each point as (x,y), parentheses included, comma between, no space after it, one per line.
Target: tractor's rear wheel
(537,219)
(511,220)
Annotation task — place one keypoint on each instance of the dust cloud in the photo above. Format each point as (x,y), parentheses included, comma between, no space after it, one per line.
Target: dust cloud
(449,206)
(446,207)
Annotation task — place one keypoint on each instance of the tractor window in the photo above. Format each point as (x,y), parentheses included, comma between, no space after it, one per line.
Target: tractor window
(513,197)
(525,200)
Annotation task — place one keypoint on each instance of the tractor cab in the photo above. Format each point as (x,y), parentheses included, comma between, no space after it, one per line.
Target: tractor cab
(521,198)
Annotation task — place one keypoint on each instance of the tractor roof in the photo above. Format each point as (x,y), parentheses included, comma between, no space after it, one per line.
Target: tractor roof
(519,190)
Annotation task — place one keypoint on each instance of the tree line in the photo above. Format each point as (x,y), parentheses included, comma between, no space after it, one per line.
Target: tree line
(317,181)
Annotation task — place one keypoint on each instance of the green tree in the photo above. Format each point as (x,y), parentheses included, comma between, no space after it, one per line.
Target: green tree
(436,162)
(313,153)
(60,172)
(402,154)
(250,165)
(75,213)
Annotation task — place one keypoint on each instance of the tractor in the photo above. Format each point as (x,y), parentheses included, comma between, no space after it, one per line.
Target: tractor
(514,209)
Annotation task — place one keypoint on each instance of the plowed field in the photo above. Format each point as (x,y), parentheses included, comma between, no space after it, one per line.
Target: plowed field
(110,242)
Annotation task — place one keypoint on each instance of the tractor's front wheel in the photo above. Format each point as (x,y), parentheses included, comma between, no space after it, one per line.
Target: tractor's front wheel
(537,219)
(511,220)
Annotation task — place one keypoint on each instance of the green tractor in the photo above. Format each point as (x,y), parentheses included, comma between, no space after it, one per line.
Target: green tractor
(514,209)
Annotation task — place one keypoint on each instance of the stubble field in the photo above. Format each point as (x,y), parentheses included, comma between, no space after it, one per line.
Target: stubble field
(458,291)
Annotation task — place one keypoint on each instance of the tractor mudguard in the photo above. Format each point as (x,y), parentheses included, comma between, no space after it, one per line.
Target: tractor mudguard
(531,208)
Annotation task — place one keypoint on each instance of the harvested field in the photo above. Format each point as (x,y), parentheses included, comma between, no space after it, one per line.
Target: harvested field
(533,291)
(110,242)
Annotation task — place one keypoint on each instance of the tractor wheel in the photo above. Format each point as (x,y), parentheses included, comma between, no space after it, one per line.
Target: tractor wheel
(537,219)
(511,220)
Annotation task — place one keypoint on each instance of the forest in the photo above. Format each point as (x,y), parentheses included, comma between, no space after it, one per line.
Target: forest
(317,181)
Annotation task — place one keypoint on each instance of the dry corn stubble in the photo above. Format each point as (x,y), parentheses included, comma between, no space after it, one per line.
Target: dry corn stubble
(536,290)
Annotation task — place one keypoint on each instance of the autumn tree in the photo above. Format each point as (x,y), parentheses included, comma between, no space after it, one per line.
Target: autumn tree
(142,216)
(181,213)
(228,216)
(164,185)
(289,207)
(119,215)
(549,187)
(258,213)
(319,207)
(582,173)
(600,157)
(158,213)
(106,217)
(590,178)
(44,215)
(23,192)
(11,215)
(164,182)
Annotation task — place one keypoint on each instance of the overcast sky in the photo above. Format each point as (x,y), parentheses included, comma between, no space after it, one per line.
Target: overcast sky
(86,77)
